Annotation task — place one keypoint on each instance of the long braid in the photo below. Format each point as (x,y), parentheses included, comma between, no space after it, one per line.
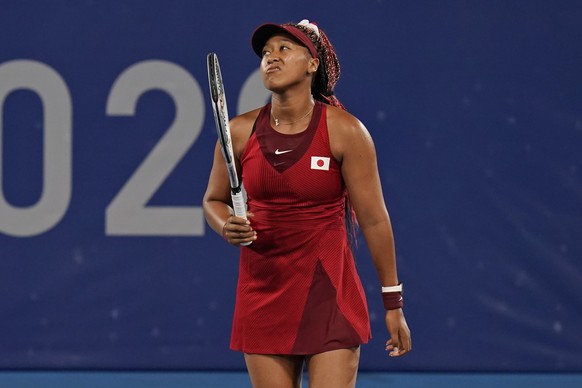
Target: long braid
(325,79)
(328,72)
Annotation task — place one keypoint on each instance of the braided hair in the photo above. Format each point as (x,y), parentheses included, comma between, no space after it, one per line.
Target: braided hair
(325,79)
(328,72)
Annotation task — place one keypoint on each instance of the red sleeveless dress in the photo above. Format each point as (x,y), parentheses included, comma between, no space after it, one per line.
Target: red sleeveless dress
(298,289)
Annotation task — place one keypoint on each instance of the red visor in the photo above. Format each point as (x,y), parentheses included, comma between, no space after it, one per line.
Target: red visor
(265,31)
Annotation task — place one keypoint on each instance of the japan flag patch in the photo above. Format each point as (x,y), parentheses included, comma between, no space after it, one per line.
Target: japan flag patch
(320,163)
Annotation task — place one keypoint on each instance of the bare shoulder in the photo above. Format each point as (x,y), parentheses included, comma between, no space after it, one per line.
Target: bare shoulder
(240,129)
(346,132)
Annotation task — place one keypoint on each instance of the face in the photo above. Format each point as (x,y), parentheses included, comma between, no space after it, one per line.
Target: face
(286,63)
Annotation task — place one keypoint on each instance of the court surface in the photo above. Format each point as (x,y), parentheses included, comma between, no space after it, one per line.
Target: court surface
(222,379)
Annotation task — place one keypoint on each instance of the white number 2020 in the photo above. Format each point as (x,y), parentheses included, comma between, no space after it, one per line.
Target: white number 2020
(128,213)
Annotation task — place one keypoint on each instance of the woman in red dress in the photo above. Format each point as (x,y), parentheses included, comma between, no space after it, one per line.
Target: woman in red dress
(305,163)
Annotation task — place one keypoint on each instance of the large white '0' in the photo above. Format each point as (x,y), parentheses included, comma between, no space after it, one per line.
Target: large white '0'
(57,111)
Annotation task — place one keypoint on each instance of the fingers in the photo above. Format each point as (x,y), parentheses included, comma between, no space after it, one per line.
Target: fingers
(396,351)
(392,347)
(406,343)
(400,341)
(237,231)
(400,346)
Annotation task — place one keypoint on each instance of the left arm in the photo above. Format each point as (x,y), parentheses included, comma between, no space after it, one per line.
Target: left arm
(352,145)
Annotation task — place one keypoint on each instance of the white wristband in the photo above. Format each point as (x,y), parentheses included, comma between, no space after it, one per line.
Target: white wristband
(397,288)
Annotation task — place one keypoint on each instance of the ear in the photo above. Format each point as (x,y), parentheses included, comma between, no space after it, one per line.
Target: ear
(313,65)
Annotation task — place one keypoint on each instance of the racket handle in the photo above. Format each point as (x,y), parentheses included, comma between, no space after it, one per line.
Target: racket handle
(240,208)
(239,205)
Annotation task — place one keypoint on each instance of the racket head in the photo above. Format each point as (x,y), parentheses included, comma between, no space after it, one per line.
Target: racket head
(214,77)
(220,110)
(219,107)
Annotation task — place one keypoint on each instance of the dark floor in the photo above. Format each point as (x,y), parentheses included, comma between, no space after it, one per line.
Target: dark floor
(239,379)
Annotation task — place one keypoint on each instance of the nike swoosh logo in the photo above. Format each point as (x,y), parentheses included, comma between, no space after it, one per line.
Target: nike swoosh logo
(277,152)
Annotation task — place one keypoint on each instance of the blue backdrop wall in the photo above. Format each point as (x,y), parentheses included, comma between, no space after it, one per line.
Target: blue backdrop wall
(106,143)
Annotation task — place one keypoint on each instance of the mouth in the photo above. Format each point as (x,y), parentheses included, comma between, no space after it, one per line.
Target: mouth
(272,69)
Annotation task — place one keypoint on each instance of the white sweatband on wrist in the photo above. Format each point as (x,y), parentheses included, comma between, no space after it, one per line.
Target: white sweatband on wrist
(397,288)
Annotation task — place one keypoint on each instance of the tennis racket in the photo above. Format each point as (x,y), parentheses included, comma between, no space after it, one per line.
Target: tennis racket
(218,98)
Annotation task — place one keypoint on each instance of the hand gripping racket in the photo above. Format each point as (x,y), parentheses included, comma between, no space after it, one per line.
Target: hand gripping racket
(223,130)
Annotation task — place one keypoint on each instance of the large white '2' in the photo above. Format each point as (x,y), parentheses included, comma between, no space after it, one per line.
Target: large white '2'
(128,214)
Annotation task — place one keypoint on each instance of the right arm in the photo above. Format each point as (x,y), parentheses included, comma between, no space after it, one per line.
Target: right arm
(217,202)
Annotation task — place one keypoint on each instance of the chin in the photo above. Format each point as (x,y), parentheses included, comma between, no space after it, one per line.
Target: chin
(274,87)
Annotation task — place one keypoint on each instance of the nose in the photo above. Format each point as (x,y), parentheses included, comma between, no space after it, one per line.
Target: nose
(271,57)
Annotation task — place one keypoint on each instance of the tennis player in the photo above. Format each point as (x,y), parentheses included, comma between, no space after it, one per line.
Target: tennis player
(308,167)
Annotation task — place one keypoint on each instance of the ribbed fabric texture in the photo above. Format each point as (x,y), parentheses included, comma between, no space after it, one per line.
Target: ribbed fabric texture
(298,290)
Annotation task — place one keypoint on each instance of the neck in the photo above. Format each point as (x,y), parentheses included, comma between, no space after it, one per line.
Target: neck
(297,121)
(289,108)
